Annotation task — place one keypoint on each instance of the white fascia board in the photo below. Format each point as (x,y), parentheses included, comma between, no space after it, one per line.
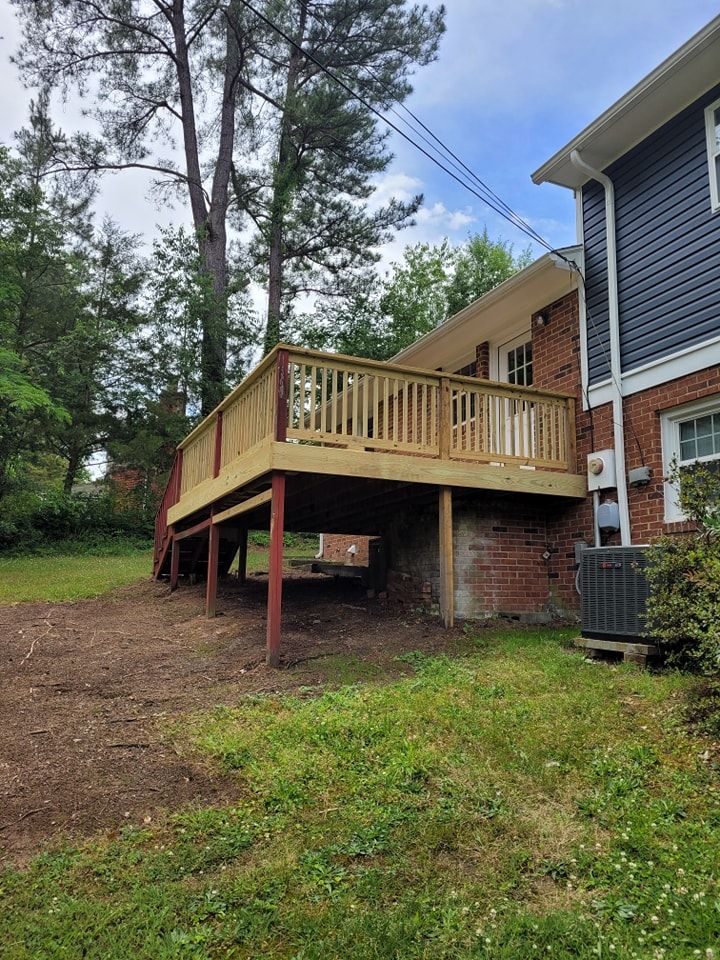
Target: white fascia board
(474,311)
(673,85)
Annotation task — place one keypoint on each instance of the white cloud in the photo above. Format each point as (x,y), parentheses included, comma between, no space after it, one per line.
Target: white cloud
(399,186)
(439,215)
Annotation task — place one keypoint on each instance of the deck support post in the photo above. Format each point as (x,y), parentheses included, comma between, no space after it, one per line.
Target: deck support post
(242,555)
(212,570)
(174,562)
(275,572)
(445,542)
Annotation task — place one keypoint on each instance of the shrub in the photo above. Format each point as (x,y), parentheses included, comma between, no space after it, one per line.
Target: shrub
(683,612)
(31,519)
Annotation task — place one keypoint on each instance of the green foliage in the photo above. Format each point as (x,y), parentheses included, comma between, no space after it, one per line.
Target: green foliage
(504,805)
(683,612)
(429,284)
(30,520)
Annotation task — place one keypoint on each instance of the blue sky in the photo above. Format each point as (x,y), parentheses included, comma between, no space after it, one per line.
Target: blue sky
(514,81)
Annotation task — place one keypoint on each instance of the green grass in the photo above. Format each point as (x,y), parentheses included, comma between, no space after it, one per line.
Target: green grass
(84,570)
(515,802)
(72,576)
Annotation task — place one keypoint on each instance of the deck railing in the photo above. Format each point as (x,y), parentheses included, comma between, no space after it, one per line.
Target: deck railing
(304,396)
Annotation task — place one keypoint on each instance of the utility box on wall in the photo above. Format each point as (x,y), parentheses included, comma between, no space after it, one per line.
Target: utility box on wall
(601,470)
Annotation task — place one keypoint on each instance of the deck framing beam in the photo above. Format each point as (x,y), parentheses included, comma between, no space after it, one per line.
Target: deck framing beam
(174,562)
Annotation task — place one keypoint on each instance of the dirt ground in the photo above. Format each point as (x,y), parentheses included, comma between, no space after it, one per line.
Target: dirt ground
(87,688)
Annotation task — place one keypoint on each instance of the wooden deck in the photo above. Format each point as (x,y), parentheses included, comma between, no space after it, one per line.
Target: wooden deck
(353,439)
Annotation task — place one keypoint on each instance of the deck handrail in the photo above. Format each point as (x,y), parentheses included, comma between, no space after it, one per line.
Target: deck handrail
(341,401)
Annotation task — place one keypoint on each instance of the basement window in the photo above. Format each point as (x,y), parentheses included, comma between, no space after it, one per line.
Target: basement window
(712,128)
(690,434)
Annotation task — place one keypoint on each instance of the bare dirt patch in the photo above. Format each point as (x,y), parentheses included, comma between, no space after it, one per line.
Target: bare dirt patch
(86,689)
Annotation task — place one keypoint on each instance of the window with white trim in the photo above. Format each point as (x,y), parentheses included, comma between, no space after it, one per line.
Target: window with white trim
(691,435)
(712,128)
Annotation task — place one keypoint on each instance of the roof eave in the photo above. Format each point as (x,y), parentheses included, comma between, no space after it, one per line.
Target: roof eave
(559,170)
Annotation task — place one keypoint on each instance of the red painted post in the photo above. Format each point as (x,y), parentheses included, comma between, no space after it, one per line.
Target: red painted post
(281,390)
(274,601)
(212,569)
(218,443)
(174,562)
(242,555)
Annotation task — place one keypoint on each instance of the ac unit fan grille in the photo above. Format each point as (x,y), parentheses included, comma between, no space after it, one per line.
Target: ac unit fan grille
(614,592)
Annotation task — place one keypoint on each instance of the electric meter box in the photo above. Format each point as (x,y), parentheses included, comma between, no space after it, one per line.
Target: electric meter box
(601,470)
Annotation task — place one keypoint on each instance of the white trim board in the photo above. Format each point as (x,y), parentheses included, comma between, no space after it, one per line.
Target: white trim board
(679,364)
(670,437)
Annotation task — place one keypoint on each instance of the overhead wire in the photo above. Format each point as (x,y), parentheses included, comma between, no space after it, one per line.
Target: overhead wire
(489,197)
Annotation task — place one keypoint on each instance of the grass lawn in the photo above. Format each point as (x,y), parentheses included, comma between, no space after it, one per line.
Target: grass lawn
(511,803)
(71,576)
(88,572)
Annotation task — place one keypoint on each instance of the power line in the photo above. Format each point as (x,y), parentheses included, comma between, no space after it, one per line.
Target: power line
(510,217)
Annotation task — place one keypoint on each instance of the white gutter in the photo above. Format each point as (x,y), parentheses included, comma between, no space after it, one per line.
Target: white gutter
(614,323)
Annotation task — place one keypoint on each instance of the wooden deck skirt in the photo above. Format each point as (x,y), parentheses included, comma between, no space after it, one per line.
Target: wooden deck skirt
(308,412)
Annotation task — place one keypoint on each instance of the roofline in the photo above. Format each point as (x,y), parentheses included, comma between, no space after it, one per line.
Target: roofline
(630,100)
(491,297)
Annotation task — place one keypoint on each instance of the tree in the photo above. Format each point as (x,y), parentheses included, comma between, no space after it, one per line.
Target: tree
(429,284)
(315,227)
(481,265)
(147,71)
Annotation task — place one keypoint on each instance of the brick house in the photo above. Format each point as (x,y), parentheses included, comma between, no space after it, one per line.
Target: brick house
(472,453)
(628,321)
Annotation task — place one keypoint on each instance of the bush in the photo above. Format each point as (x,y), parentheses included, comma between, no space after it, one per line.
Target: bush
(31,520)
(683,612)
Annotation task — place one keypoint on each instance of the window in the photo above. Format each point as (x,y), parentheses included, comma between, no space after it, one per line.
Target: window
(469,370)
(712,128)
(690,434)
(518,364)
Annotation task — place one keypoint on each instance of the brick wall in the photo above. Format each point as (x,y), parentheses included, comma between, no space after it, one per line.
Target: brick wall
(556,366)
(500,542)
(499,547)
(335,547)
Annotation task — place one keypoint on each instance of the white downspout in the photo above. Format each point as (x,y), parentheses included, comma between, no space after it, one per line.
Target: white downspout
(615,363)
(319,555)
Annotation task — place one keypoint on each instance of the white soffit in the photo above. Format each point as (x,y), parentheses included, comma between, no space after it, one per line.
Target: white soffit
(673,85)
(496,315)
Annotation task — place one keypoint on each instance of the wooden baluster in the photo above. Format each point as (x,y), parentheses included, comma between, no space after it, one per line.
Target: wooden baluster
(323,400)
(445,418)
(355,387)
(292,368)
(571,435)
(217,453)
(313,398)
(333,387)
(365,405)
(376,406)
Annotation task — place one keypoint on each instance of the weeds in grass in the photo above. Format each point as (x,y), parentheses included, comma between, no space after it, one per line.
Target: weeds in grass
(503,805)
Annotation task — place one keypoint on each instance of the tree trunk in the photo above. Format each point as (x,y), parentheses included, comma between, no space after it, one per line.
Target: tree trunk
(282,192)
(210,218)
(74,461)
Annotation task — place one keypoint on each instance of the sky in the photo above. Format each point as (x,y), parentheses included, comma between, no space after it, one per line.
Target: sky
(513,82)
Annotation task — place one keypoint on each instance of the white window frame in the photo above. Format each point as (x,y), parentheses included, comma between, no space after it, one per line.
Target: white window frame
(670,422)
(502,355)
(713,151)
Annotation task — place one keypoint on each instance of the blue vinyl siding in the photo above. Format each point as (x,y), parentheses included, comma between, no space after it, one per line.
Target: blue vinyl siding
(668,242)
